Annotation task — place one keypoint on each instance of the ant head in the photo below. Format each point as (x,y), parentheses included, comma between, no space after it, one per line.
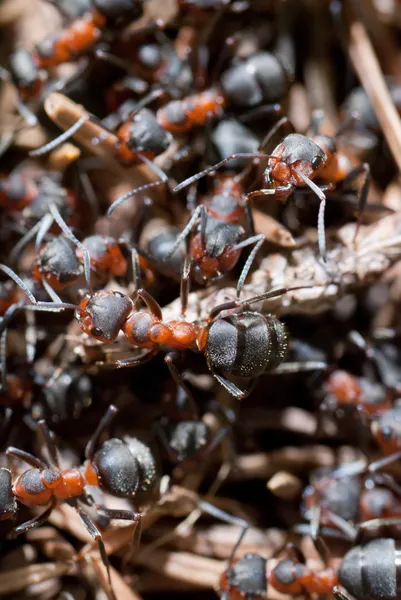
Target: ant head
(142,133)
(246,344)
(66,398)
(339,495)
(50,192)
(295,155)
(57,263)
(387,430)
(116,10)
(8,502)
(370,571)
(246,578)
(187,438)
(124,468)
(344,387)
(102,314)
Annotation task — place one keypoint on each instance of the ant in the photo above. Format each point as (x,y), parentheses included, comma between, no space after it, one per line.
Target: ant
(338,499)
(60,264)
(296,162)
(150,134)
(185,437)
(372,398)
(28,69)
(369,570)
(122,468)
(244,344)
(259,78)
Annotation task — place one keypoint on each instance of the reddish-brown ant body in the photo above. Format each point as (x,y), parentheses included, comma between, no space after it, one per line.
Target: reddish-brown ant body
(122,468)
(370,570)
(259,78)
(294,163)
(345,389)
(28,69)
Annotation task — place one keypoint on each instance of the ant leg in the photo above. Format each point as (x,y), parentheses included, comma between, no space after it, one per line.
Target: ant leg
(67,231)
(383,462)
(261,111)
(31,460)
(97,536)
(169,359)
(125,515)
(285,189)
(363,195)
(249,219)
(341,595)
(316,121)
(150,302)
(209,509)
(238,303)
(295,551)
(131,193)
(258,241)
(200,212)
(103,424)
(283,122)
(214,442)
(3,362)
(59,140)
(136,270)
(185,284)
(320,218)
(345,526)
(49,441)
(33,523)
(231,388)
(300,367)
(159,432)
(132,362)
(194,178)
(20,284)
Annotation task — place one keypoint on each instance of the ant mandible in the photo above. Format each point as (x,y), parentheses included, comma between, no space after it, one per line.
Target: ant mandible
(294,163)
(121,468)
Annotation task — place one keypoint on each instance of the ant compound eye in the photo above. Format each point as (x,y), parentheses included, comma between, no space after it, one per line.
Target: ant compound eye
(119,295)
(316,162)
(96,332)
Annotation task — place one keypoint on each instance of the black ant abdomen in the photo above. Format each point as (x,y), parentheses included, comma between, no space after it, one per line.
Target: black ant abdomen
(372,571)
(124,468)
(8,502)
(186,438)
(57,263)
(260,78)
(119,9)
(246,344)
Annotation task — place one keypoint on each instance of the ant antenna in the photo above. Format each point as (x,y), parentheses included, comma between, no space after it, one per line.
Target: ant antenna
(194,178)
(320,219)
(61,138)
(19,282)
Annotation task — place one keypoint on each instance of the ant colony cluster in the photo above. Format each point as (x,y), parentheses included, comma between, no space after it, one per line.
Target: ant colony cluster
(199,292)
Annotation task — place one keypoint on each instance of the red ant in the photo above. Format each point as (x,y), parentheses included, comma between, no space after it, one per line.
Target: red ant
(185,437)
(366,571)
(337,499)
(122,468)
(27,68)
(244,344)
(294,163)
(60,265)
